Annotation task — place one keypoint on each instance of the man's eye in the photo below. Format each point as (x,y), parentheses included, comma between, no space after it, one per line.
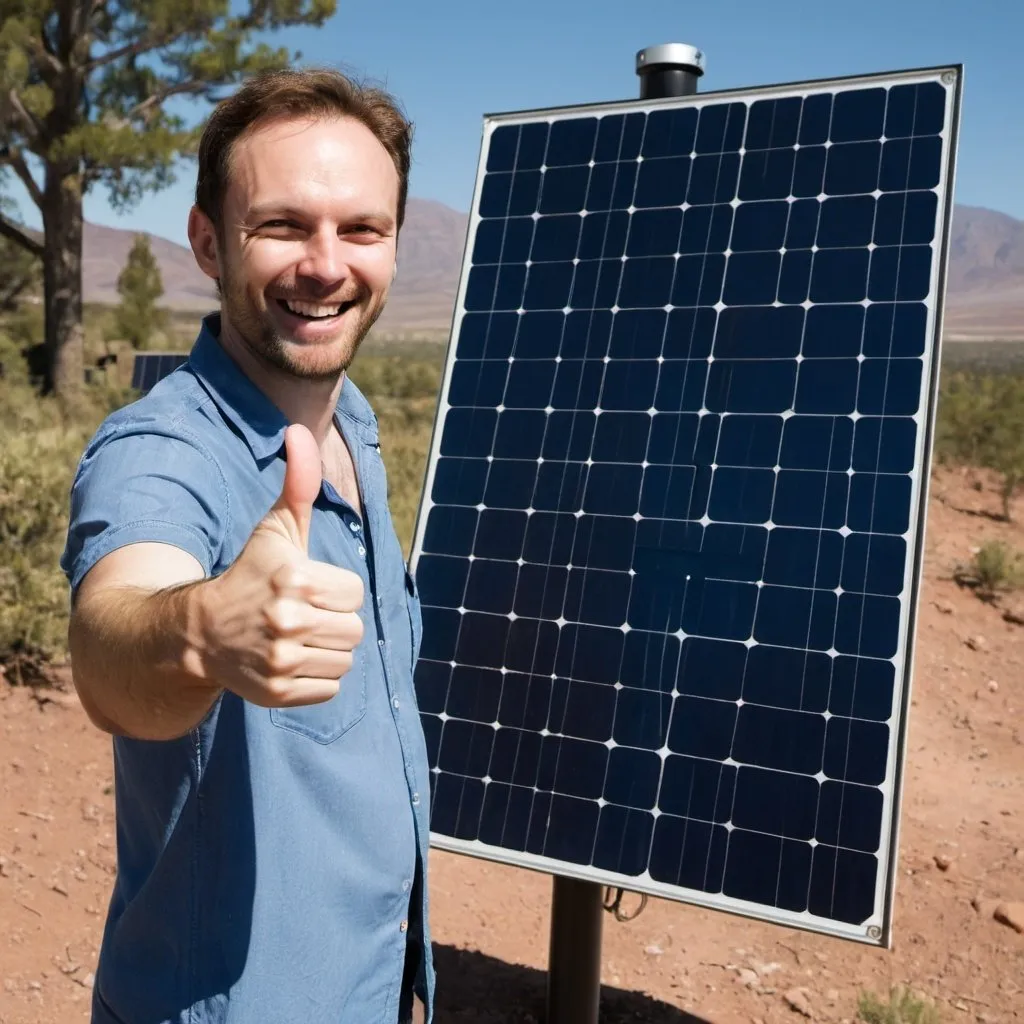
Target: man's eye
(279,224)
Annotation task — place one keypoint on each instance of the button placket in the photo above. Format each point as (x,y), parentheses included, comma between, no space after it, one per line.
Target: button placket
(375,525)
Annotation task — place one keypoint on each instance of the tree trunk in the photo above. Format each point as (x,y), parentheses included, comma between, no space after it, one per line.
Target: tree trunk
(62,281)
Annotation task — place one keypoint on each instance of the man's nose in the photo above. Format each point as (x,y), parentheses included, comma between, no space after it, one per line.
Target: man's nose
(323,259)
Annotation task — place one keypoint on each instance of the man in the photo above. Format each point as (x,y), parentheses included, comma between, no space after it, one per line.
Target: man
(242,618)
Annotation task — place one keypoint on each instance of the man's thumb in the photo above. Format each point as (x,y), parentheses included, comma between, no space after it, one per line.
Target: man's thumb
(302,479)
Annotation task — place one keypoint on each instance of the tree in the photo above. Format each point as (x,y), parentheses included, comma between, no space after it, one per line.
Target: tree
(139,284)
(84,86)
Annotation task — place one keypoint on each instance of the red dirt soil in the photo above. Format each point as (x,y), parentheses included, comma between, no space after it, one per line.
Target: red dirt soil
(961,854)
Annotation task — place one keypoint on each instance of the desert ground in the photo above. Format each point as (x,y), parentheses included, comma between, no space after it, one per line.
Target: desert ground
(959,899)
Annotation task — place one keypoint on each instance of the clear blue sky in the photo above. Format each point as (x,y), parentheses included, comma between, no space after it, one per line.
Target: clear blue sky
(451,61)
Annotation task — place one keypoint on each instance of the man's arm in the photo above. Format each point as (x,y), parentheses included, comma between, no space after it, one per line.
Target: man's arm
(153,643)
(135,636)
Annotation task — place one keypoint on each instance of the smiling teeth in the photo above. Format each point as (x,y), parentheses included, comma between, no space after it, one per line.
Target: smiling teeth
(312,309)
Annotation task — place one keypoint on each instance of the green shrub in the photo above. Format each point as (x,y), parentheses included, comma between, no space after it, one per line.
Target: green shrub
(403,390)
(395,376)
(903,1007)
(42,443)
(981,423)
(37,463)
(405,430)
(995,569)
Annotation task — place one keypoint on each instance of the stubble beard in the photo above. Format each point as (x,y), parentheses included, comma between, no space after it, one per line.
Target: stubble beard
(322,362)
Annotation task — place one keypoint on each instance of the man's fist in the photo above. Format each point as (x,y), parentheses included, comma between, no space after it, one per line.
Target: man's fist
(279,629)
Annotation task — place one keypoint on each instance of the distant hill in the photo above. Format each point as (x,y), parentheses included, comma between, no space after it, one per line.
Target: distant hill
(986,275)
(985,295)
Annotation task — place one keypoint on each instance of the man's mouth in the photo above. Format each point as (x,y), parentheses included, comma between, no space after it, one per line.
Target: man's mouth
(314,310)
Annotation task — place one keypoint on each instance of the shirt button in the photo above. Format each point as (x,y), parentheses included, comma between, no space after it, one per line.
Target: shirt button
(395,703)
(362,551)
(404,926)
(406,885)
(354,527)
(380,643)
(415,799)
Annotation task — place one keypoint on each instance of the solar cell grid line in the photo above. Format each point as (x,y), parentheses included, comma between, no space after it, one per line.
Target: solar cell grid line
(669,543)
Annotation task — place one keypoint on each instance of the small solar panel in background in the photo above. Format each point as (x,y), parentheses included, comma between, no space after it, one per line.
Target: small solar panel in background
(669,544)
(150,368)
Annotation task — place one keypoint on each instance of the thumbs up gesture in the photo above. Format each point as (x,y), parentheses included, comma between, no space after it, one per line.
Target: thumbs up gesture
(278,628)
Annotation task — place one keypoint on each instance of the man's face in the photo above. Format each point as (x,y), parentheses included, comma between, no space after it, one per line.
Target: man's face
(307,251)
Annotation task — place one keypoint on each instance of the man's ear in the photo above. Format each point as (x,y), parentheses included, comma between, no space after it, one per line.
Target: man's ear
(202,236)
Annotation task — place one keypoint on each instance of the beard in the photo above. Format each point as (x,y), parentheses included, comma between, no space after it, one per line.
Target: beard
(322,361)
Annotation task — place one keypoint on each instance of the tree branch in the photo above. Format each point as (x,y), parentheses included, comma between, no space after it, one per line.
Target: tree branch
(13,288)
(16,234)
(49,64)
(193,85)
(16,161)
(82,13)
(28,122)
(131,50)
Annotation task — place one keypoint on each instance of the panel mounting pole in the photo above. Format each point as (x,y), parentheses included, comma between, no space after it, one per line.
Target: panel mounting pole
(670,69)
(577,907)
(574,963)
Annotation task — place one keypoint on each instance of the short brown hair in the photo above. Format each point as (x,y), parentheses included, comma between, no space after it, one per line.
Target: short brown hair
(314,92)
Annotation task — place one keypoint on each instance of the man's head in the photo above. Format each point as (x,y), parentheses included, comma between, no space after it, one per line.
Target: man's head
(301,191)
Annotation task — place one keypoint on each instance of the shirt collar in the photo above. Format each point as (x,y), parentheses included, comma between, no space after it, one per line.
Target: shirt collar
(260,422)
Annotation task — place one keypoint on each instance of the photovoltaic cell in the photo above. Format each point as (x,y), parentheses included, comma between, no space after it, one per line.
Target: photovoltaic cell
(669,544)
(151,367)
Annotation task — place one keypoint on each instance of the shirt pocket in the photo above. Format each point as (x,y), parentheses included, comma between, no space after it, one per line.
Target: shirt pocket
(329,721)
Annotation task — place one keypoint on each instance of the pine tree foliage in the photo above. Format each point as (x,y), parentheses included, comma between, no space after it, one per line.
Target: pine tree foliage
(140,286)
(84,91)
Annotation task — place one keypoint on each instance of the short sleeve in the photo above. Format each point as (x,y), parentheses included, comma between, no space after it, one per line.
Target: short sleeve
(142,482)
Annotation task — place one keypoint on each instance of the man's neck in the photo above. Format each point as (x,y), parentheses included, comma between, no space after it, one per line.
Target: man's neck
(309,402)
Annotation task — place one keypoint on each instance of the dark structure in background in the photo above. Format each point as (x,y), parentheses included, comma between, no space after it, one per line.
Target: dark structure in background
(150,368)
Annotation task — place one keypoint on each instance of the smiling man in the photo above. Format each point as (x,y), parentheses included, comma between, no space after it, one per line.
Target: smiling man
(243,623)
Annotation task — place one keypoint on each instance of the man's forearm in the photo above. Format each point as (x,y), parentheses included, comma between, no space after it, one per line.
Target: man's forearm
(136,663)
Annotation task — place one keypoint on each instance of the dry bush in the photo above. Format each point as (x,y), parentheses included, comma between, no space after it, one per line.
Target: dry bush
(403,390)
(981,424)
(903,1007)
(40,450)
(995,569)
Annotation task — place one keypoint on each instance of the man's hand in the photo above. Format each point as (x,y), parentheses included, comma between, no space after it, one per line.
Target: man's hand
(277,628)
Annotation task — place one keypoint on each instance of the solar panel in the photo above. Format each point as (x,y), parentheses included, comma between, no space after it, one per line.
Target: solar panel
(670,538)
(149,368)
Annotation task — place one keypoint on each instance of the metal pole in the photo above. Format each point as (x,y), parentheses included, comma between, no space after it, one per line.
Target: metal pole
(671,69)
(577,908)
(574,965)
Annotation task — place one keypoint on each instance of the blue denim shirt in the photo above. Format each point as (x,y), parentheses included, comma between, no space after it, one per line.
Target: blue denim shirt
(271,863)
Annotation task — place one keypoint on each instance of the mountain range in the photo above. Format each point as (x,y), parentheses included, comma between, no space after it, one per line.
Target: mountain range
(985,295)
